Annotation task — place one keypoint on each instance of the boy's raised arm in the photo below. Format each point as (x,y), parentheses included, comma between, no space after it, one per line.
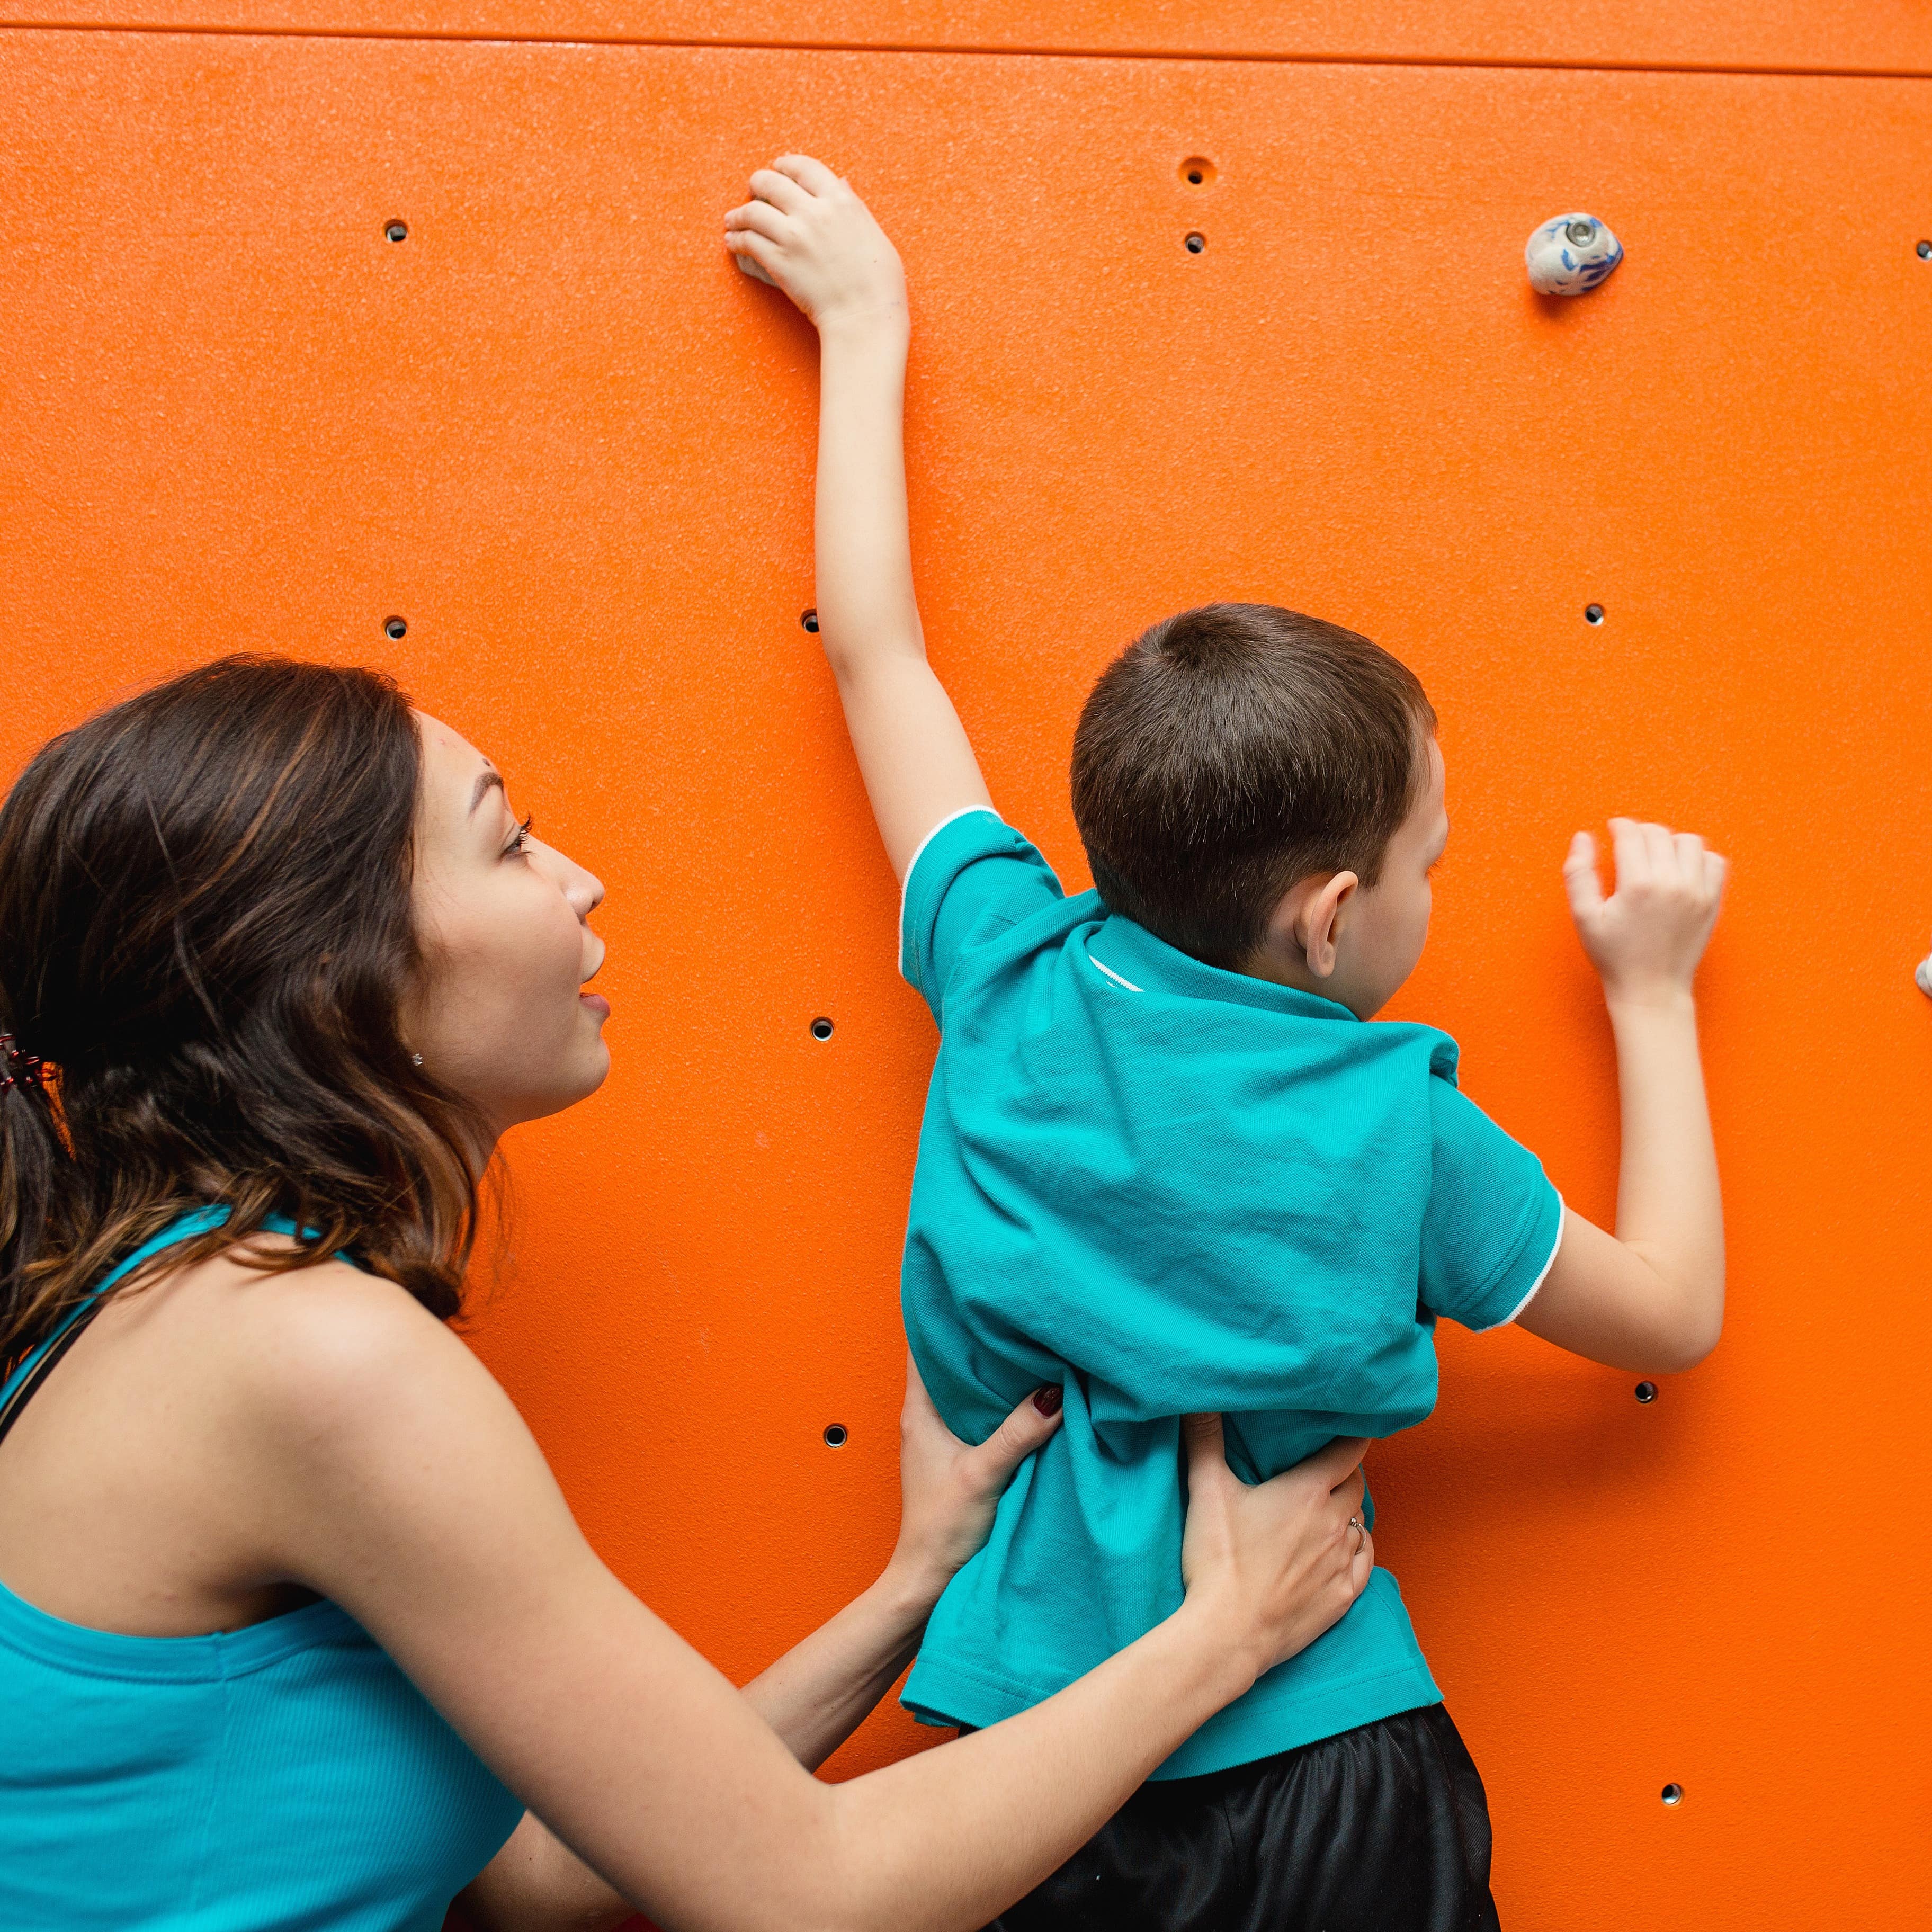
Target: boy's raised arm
(806,232)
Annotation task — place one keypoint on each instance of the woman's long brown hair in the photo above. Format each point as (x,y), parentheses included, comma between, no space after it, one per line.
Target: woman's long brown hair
(206,932)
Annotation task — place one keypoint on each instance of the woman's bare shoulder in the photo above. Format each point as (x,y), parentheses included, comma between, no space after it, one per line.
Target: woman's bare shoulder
(382,1458)
(329,1364)
(315,1335)
(282,1350)
(311,1383)
(159,1481)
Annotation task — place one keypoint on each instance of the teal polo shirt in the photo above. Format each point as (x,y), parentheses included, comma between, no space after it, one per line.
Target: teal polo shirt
(1172,1188)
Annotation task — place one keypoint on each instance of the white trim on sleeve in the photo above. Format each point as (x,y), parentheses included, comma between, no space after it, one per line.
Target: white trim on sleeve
(1542,1274)
(918,853)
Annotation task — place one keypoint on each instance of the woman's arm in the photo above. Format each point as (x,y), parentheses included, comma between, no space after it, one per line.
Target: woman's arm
(819,1692)
(388,1472)
(536,1883)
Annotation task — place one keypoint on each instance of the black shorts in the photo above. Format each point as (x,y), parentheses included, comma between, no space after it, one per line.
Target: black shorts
(1382,1829)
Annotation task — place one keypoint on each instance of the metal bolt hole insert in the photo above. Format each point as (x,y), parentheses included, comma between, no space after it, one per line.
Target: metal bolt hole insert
(393,628)
(821,1028)
(809,618)
(1646,1391)
(396,231)
(1672,1794)
(1195,243)
(834,1435)
(1925,251)
(1198,171)
(1593,613)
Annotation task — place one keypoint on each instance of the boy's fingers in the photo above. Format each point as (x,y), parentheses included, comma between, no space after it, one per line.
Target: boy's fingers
(1580,876)
(1716,869)
(1582,853)
(813,176)
(780,190)
(1632,857)
(748,249)
(757,217)
(1661,850)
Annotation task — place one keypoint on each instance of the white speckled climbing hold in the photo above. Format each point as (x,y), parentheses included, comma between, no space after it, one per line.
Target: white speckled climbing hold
(1571,255)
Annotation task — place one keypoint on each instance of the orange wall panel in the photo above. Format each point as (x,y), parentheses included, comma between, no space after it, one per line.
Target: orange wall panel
(557,433)
(1892,37)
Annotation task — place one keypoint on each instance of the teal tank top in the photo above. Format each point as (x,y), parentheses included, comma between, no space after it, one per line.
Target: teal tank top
(287,1775)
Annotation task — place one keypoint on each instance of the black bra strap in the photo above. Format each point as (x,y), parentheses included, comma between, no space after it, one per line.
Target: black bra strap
(9,1410)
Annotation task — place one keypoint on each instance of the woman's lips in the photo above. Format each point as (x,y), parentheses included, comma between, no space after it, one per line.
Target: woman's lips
(597,1003)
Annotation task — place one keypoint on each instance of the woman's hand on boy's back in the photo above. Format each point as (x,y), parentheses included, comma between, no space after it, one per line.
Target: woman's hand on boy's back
(1282,1560)
(805,232)
(815,1695)
(1646,938)
(949,1490)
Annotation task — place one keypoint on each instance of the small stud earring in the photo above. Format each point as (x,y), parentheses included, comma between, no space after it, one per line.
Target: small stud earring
(415,1059)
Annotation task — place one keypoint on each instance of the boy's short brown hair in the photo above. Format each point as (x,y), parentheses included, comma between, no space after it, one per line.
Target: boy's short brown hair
(1229,751)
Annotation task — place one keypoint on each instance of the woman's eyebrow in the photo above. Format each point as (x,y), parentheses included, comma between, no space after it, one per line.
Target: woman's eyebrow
(486,781)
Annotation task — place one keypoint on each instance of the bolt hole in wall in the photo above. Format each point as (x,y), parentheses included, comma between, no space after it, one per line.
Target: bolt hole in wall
(1197,171)
(821,1028)
(1646,1391)
(393,628)
(809,618)
(1672,1794)
(1925,251)
(1593,613)
(1195,243)
(834,1435)
(398,231)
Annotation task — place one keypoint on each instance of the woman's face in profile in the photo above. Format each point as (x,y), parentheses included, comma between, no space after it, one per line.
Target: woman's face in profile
(503,1018)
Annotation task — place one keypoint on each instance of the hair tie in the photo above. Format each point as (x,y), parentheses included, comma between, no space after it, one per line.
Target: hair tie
(19,1069)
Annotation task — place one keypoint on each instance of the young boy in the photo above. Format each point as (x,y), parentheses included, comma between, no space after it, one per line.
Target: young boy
(1166,1164)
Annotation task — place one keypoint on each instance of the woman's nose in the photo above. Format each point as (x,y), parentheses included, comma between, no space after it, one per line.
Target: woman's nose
(584,891)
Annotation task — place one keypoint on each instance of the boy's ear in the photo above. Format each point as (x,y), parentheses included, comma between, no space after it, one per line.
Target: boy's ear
(1310,915)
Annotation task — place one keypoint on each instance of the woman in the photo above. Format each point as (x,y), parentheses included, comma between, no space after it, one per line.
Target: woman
(289,1603)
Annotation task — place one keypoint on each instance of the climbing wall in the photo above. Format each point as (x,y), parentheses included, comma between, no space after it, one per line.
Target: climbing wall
(549,429)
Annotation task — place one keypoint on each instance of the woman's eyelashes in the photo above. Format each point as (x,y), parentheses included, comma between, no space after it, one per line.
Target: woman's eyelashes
(519,840)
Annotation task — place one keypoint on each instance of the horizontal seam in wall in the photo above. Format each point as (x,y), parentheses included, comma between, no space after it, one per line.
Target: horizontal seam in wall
(1261,59)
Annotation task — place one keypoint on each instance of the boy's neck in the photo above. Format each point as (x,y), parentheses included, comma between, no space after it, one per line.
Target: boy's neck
(1268,963)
